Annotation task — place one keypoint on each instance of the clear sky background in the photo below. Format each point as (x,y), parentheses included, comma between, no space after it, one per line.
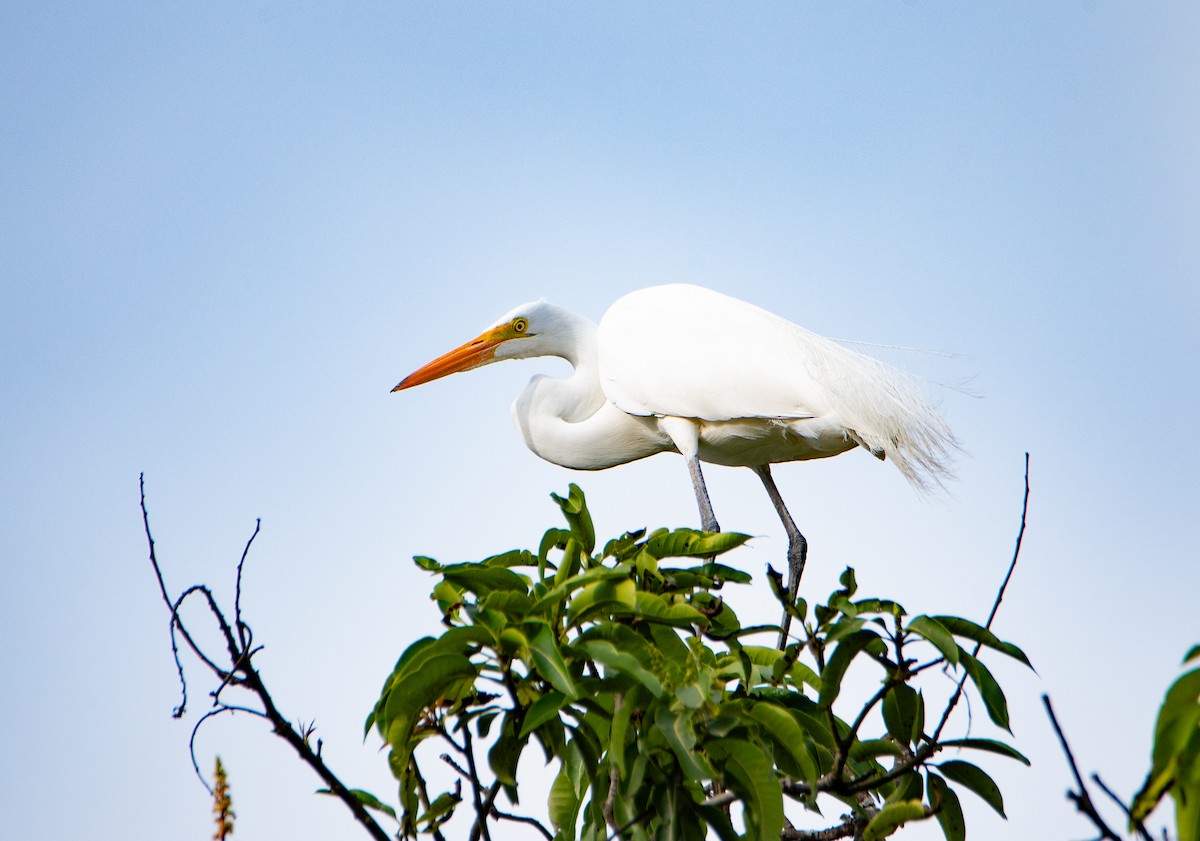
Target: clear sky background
(228,229)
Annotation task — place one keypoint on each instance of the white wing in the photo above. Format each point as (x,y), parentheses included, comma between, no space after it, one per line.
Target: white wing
(690,352)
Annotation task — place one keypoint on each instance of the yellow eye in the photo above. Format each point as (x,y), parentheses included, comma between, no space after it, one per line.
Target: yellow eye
(520,325)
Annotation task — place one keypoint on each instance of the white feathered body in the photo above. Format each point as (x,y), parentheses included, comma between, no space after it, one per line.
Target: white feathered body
(674,367)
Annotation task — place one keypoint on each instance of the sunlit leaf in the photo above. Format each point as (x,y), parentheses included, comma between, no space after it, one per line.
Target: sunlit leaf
(482,580)
(574,508)
(893,816)
(749,772)
(608,655)
(786,732)
(548,660)
(676,727)
(690,543)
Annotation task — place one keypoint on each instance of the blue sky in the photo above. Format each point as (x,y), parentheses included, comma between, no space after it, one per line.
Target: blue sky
(229,229)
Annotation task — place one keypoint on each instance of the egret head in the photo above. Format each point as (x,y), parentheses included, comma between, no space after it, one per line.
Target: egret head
(535,329)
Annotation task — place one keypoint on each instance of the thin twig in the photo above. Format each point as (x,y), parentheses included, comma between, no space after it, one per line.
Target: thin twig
(1081,798)
(237,593)
(995,606)
(242,673)
(1137,824)
(534,822)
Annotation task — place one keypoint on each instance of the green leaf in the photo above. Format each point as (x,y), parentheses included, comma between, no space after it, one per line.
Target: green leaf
(655,608)
(749,772)
(574,508)
(1192,654)
(506,753)
(900,713)
(607,654)
(989,689)
(989,745)
(409,697)
(427,564)
(893,816)
(787,734)
(839,661)
(545,708)
(512,603)
(946,807)
(934,631)
(977,633)
(367,799)
(620,594)
(548,661)
(676,728)
(977,780)
(439,811)
(564,805)
(690,543)
(482,580)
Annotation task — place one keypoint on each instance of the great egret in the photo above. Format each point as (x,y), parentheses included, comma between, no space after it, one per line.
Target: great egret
(685,369)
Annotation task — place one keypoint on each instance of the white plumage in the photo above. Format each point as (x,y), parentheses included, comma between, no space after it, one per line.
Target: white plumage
(685,369)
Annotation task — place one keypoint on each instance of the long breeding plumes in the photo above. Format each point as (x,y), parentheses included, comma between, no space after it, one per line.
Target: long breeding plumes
(885,410)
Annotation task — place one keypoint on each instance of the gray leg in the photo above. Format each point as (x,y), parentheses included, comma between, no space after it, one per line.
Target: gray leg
(708,520)
(797,545)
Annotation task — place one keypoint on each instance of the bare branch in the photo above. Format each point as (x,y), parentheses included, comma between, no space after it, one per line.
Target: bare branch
(242,629)
(1137,825)
(1081,798)
(995,606)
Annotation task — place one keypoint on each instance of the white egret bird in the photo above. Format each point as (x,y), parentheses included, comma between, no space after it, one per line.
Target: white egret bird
(684,369)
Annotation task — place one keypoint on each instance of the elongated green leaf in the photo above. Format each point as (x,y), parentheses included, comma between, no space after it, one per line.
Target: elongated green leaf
(871,748)
(574,508)
(427,564)
(512,603)
(900,713)
(564,805)
(607,654)
(989,745)
(676,728)
(977,780)
(1192,654)
(893,816)
(690,543)
(786,732)
(977,633)
(839,661)
(934,631)
(367,799)
(482,580)
(511,558)
(749,772)
(548,661)
(655,608)
(506,754)
(409,697)
(545,708)
(946,807)
(993,696)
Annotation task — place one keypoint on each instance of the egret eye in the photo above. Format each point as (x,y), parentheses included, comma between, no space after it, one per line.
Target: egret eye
(520,325)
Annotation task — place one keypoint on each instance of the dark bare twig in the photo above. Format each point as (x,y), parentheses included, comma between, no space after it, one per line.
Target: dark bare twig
(241,673)
(534,822)
(1137,825)
(1081,798)
(242,629)
(995,605)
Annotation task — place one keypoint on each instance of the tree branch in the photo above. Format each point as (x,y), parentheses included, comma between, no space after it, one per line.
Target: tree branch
(995,606)
(1081,798)
(241,672)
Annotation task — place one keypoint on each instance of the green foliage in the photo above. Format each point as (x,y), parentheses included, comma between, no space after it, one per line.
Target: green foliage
(642,685)
(1175,762)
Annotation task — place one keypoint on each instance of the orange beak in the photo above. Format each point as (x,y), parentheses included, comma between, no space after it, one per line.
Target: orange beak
(478,351)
